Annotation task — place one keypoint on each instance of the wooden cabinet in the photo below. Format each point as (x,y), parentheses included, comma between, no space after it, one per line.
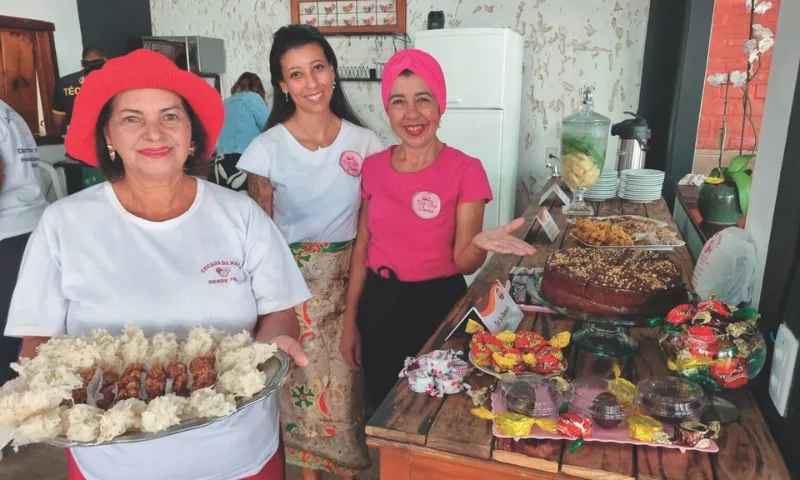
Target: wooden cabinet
(28,71)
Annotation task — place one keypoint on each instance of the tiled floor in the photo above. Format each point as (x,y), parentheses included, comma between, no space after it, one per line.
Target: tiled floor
(42,462)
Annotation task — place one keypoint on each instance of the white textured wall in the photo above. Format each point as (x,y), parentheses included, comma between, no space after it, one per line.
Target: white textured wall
(568,43)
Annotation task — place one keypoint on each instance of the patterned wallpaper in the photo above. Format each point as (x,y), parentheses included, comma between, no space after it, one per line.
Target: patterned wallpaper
(568,43)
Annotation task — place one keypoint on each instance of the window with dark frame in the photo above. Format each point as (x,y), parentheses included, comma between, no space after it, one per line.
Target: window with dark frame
(28,73)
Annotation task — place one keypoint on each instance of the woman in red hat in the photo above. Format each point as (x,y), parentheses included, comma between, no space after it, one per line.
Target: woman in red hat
(133,251)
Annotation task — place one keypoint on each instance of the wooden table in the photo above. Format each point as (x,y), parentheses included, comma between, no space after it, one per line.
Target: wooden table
(423,437)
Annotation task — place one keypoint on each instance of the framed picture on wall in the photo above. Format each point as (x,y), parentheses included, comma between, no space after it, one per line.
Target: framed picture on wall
(351,16)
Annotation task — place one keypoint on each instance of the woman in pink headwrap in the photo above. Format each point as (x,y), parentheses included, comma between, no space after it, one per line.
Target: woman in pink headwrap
(419,228)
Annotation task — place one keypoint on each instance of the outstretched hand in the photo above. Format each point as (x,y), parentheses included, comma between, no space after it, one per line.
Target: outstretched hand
(291,347)
(500,240)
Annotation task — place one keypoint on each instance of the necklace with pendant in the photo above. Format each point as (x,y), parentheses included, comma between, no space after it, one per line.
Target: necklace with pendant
(324,133)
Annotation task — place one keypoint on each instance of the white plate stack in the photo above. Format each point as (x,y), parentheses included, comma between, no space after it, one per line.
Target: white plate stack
(641,185)
(604,189)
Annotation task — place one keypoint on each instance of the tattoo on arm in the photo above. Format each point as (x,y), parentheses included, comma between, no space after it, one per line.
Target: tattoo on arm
(260,190)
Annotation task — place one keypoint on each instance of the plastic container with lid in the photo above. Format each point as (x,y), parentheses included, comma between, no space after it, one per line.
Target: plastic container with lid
(670,399)
(532,395)
(608,403)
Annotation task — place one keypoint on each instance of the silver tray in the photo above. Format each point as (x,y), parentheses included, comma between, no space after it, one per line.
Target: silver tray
(277,369)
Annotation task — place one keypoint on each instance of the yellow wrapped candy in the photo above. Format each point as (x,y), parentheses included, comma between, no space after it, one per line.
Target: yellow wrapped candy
(560,340)
(505,361)
(514,424)
(473,326)
(529,360)
(646,429)
(507,336)
(623,389)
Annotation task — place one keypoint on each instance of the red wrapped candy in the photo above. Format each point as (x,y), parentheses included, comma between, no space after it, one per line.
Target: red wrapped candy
(729,373)
(702,341)
(549,360)
(714,306)
(680,314)
(573,425)
(529,341)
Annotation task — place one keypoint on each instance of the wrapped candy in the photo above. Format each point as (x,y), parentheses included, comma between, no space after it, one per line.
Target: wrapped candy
(440,372)
(647,429)
(680,314)
(702,341)
(529,341)
(715,307)
(692,433)
(573,425)
(515,425)
(729,373)
(509,360)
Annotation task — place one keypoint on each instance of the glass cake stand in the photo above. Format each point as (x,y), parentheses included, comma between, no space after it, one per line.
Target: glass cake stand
(604,336)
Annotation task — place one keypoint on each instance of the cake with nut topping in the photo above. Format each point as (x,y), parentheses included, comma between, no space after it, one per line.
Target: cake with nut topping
(627,282)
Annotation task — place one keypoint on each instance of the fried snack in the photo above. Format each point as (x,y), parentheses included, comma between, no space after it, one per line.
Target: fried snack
(203,372)
(130,383)
(108,389)
(176,371)
(156,381)
(597,233)
(79,395)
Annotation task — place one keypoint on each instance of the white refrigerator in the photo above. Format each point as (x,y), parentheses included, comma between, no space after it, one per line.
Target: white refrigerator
(483,73)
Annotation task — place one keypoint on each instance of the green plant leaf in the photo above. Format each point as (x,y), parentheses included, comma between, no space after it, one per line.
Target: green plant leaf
(743,182)
(716,172)
(739,163)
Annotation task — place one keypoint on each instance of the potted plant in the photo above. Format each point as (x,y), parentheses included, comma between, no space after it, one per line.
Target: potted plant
(725,194)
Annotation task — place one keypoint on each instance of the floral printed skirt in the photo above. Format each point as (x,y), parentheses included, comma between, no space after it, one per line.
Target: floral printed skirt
(322,406)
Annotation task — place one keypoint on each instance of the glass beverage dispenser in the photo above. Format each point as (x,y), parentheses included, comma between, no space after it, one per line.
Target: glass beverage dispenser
(584,139)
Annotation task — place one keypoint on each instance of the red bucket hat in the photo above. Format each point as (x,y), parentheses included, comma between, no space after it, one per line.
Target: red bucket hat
(139,69)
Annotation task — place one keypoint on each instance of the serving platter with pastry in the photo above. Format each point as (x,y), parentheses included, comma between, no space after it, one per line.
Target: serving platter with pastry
(107,388)
(624,231)
(611,290)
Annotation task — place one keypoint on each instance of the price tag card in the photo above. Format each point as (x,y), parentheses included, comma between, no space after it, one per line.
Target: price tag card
(560,193)
(548,224)
(496,310)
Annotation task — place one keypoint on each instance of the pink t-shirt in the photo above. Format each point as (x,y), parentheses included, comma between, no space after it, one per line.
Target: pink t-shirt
(412,216)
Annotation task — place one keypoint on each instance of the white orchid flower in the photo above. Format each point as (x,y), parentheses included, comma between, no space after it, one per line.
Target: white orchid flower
(751,49)
(717,79)
(765,44)
(760,31)
(763,7)
(738,78)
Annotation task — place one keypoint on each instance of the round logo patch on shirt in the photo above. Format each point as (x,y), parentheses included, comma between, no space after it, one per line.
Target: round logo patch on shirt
(426,205)
(351,163)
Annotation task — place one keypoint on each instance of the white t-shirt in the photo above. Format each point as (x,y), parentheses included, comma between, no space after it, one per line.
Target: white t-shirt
(316,194)
(21,199)
(221,263)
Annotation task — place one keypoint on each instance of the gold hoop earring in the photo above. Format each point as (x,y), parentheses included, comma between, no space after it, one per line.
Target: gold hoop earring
(111,152)
(192,149)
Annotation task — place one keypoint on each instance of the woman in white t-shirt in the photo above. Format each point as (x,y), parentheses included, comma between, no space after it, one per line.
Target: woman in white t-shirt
(136,250)
(305,171)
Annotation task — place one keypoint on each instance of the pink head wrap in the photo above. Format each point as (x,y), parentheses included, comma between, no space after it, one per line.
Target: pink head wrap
(422,64)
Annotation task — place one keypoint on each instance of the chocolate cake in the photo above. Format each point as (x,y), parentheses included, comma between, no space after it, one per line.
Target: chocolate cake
(627,282)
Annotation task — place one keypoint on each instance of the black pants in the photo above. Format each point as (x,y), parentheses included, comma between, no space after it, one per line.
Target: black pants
(225,173)
(395,320)
(11,250)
